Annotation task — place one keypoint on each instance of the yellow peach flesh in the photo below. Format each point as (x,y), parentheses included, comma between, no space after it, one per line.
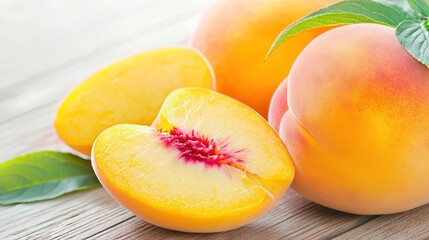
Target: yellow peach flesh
(155,183)
(129,91)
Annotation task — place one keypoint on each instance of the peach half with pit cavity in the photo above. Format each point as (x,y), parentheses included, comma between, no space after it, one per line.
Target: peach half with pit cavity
(208,163)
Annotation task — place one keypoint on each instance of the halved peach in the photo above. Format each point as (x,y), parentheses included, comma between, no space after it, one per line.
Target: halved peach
(129,91)
(208,163)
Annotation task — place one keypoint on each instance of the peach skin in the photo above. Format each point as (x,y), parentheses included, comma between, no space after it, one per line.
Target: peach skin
(357,126)
(235,36)
(278,106)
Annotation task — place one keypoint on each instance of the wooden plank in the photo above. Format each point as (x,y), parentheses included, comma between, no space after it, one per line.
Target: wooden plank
(30,132)
(292,218)
(54,86)
(94,215)
(413,224)
(75,215)
(36,36)
(57,34)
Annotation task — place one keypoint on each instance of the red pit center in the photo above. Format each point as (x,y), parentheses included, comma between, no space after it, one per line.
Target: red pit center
(197,148)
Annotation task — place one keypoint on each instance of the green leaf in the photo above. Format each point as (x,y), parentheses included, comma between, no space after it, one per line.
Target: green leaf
(43,175)
(414,37)
(402,4)
(420,6)
(345,12)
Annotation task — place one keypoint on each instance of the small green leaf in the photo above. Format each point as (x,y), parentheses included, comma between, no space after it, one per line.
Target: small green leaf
(414,37)
(420,6)
(345,12)
(43,175)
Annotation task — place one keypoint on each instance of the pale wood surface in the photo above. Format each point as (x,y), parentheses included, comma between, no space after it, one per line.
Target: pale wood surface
(48,47)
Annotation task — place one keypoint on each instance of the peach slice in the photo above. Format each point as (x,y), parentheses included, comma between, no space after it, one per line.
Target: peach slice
(208,163)
(129,91)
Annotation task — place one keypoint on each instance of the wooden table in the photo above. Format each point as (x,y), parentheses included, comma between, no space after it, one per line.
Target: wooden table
(47,47)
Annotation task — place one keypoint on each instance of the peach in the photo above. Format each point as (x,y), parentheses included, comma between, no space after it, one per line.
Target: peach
(129,91)
(235,36)
(358,122)
(278,106)
(208,163)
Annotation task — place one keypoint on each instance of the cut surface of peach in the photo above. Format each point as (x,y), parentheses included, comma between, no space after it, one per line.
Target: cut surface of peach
(208,163)
(129,91)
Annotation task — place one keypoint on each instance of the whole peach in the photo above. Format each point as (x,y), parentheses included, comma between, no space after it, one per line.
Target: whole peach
(357,126)
(235,36)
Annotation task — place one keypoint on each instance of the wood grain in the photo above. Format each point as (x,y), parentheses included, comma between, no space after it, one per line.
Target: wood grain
(50,46)
(413,224)
(60,34)
(292,218)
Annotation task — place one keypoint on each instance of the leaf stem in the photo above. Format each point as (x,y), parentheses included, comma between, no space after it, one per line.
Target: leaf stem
(426,23)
